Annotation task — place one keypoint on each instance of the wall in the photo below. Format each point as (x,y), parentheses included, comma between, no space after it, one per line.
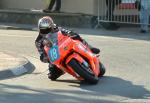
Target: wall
(23,4)
(79,6)
(74,6)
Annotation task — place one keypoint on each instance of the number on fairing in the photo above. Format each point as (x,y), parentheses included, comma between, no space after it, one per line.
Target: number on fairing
(54,53)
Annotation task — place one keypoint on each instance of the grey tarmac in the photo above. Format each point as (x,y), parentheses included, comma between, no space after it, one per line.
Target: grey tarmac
(126,57)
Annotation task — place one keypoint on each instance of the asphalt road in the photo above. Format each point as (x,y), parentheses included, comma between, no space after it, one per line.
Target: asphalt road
(127,79)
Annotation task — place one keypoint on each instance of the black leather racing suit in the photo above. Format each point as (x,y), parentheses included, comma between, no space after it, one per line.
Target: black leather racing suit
(39,40)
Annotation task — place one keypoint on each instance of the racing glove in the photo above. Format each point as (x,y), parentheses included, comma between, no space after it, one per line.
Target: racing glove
(44,58)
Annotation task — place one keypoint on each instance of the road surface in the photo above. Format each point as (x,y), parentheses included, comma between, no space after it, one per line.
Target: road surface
(127,79)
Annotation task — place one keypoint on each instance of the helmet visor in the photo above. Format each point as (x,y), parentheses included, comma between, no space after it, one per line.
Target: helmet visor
(45,31)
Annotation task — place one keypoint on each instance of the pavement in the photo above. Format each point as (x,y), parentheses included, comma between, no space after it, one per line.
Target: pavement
(20,65)
(12,65)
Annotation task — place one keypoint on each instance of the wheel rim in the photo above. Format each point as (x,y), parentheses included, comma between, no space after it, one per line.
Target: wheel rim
(87,69)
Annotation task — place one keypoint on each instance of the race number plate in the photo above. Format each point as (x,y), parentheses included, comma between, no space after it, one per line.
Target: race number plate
(54,53)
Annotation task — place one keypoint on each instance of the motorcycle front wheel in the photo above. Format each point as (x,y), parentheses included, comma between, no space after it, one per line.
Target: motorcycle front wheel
(83,71)
(102,70)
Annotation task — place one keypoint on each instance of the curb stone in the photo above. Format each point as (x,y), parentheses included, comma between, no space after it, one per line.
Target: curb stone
(24,67)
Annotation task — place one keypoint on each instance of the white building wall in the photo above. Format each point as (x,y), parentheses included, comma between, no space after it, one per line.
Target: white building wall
(73,6)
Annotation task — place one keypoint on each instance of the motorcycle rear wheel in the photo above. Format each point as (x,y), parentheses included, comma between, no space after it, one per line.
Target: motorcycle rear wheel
(83,72)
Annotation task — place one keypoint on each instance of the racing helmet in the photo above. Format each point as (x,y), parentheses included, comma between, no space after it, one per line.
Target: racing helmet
(46,25)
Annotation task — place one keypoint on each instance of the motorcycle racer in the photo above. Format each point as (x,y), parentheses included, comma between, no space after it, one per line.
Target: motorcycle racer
(47,26)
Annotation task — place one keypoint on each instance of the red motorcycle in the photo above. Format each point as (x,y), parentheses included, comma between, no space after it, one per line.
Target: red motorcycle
(73,57)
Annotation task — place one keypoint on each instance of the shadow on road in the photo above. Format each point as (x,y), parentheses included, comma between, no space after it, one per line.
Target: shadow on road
(86,94)
(114,86)
(23,94)
(117,86)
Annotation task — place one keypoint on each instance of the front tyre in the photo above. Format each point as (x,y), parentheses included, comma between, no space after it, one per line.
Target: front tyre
(83,71)
(102,69)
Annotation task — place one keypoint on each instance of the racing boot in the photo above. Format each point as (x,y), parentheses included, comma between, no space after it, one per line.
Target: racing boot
(93,49)
(54,72)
